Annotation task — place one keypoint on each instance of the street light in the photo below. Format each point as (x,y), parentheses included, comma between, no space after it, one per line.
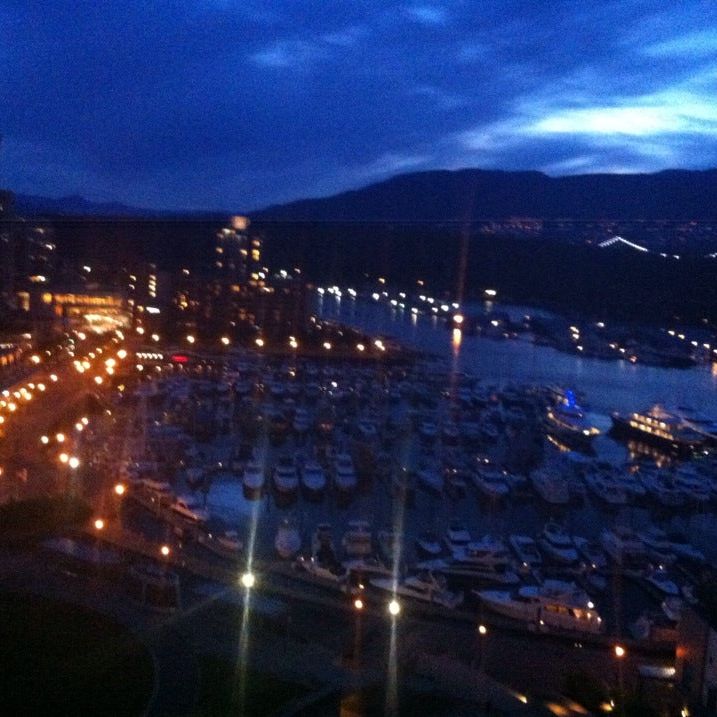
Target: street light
(482,632)
(164,550)
(120,489)
(248,580)
(99,524)
(60,437)
(74,462)
(620,654)
(394,607)
(225,341)
(190,339)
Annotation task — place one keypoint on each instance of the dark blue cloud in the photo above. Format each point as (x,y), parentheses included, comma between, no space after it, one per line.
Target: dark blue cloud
(223,103)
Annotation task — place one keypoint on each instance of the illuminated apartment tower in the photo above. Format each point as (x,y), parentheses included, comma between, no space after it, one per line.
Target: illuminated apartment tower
(237,262)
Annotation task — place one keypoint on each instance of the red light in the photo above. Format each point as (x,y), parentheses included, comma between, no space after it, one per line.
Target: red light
(180,358)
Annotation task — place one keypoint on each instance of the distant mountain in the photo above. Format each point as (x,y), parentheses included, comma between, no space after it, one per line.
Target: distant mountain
(473,194)
(77,206)
(30,205)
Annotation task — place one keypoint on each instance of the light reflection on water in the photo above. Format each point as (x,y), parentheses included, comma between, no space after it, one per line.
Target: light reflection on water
(608,385)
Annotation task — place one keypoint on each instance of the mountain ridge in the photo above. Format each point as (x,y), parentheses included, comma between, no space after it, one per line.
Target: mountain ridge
(460,195)
(468,195)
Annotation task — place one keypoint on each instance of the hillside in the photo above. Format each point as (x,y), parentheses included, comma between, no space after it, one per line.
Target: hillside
(473,194)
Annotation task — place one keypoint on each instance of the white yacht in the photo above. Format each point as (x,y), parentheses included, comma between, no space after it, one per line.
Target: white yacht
(602,485)
(526,549)
(487,551)
(659,578)
(551,486)
(557,544)
(660,427)
(591,552)
(492,483)
(286,477)
(429,544)
(554,603)
(657,545)
(457,536)
(682,547)
(424,586)
(366,431)
(323,562)
(345,479)
(431,478)
(288,540)
(302,422)
(356,541)
(313,480)
(428,431)
(253,480)
(567,421)
(189,507)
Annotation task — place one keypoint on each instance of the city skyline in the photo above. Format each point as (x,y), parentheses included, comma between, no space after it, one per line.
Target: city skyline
(220,105)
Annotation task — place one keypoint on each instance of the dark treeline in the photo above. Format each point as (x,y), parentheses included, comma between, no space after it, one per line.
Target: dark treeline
(608,283)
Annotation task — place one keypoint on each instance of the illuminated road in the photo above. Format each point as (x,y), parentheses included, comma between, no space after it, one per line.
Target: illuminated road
(47,402)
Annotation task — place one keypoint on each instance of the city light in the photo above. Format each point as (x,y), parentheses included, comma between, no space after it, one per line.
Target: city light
(358,604)
(99,524)
(164,550)
(64,458)
(190,339)
(248,580)
(327,345)
(482,630)
(458,319)
(394,608)
(225,340)
(120,489)
(259,342)
(360,347)
(74,462)
(53,377)
(44,440)
(98,380)
(121,354)
(620,651)
(60,437)
(490,292)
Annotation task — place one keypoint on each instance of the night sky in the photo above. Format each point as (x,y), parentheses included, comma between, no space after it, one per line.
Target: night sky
(233,104)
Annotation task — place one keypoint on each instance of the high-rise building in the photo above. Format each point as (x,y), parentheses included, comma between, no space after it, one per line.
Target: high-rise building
(237,260)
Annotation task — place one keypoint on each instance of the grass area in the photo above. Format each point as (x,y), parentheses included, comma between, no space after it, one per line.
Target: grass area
(41,515)
(58,659)
(220,692)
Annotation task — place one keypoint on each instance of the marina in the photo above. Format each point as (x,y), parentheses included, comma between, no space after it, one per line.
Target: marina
(371,476)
